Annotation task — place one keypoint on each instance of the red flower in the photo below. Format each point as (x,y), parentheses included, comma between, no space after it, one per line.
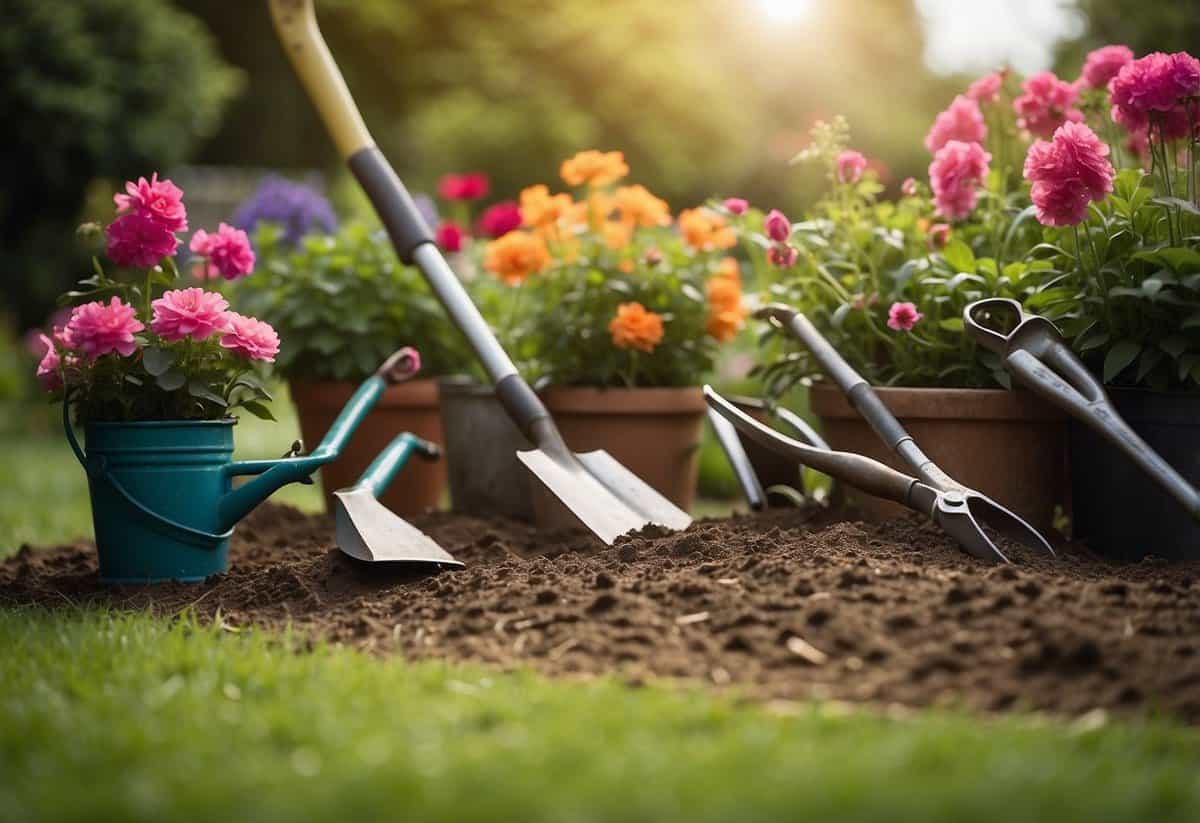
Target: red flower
(1046,104)
(473,186)
(500,219)
(450,237)
(957,171)
(1103,64)
(1067,174)
(1156,83)
(777,226)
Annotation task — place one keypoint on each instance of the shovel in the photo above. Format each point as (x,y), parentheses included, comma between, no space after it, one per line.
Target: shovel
(602,494)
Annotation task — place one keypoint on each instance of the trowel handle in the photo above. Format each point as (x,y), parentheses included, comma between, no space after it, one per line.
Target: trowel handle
(383,468)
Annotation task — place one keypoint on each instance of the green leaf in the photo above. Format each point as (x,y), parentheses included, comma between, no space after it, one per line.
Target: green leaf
(170,380)
(1177,259)
(198,388)
(1094,339)
(959,255)
(259,410)
(157,360)
(952,324)
(1174,345)
(1177,203)
(1119,357)
(1149,359)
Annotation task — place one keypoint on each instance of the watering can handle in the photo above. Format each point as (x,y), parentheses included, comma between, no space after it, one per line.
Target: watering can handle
(97,469)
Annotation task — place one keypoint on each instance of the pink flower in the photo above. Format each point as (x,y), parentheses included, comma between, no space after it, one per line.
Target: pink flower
(1046,104)
(450,237)
(1156,83)
(499,219)
(736,205)
(850,166)
(463,186)
(160,200)
(137,240)
(903,316)
(1067,174)
(939,235)
(250,338)
(48,369)
(193,312)
(781,255)
(228,253)
(909,187)
(961,121)
(987,88)
(96,329)
(957,171)
(1103,64)
(777,226)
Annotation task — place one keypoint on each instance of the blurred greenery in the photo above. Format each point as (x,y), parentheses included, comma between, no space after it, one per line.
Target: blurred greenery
(1144,27)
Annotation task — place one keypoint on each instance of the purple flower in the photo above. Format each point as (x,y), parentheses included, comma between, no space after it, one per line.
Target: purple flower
(298,207)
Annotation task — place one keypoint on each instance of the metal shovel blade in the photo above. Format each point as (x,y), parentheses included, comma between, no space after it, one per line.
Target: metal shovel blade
(368,531)
(606,497)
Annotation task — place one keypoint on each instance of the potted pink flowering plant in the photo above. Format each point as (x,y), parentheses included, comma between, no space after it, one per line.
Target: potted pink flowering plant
(151,370)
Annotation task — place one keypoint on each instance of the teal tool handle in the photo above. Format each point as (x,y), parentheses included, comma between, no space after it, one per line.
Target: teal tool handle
(384,467)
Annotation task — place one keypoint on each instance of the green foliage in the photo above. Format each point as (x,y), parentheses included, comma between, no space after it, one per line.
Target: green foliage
(92,88)
(343,303)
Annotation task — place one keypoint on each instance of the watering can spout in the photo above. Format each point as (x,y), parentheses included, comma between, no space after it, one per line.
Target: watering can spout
(274,474)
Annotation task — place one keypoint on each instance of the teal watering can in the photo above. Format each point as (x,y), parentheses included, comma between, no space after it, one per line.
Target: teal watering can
(163,500)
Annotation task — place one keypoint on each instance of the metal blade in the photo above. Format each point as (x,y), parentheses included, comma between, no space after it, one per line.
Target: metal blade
(605,496)
(953,513)
(1007,523)
(367,530)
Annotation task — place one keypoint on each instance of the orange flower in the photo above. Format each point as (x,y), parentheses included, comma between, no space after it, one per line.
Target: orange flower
(638,206)
(627,266)
(729,268)
(617,235)
(595,168)
(725,307)
(724,293)
(542,210)
(636,328)
(705,230)
(723,326)
(516,256)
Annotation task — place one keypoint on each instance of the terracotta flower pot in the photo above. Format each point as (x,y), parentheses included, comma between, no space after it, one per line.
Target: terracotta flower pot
(655,433)
(411,407)
(1008,445)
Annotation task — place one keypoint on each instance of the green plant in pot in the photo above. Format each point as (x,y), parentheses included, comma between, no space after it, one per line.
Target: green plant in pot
(343,302)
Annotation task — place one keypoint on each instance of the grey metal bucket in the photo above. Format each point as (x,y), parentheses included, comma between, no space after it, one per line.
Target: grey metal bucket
(481,445)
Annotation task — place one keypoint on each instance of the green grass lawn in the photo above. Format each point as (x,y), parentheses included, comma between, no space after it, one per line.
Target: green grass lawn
(128,717)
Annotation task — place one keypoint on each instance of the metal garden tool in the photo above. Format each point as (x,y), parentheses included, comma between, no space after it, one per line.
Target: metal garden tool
(601,493)
(1035,353)
(961,511)
(368,530)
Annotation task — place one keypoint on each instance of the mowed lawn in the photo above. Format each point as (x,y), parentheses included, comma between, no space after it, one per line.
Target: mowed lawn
(126,717)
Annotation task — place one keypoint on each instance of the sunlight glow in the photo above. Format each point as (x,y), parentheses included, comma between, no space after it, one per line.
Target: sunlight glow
(786,11)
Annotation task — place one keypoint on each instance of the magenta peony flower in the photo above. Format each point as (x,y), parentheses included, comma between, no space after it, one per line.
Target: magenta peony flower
(903,316)
(1046,104)
(909,187)
(1067,174)
(850,166)
(250,338)
(777,226)
(228,253)
(987,88)
(736,205)
(137,240)
(48,369)
(193,312)
(97,329)
(957,171)
(781,255)
(1103,64)
(499,219)
(1155,83)
(961,121)
(450,237)
(160,200)
(463,186)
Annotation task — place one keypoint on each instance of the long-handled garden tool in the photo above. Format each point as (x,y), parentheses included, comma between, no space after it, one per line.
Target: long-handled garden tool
(1036,355)
(605,496)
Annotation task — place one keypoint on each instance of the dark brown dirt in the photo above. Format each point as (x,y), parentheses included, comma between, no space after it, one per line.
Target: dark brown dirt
(778,606)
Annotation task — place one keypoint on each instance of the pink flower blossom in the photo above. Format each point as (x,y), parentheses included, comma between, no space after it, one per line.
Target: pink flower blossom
(135,239)
(938,235)
(903,316)
(193,312)
(1103,64)
(957,171)
(250,338)
(450,237)
(1046,104)
(463,186)
(781,255)
(227,253)
(736,205)
(499,219)
(160,200)
(48,369)
(961,121)
(97,329)
(777,226)
(850,166)
(909,187)
(1067,174)
(987,88)
(1156,83)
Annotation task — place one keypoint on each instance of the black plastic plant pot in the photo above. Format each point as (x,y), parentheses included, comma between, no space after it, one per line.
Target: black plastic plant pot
(1117,509)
